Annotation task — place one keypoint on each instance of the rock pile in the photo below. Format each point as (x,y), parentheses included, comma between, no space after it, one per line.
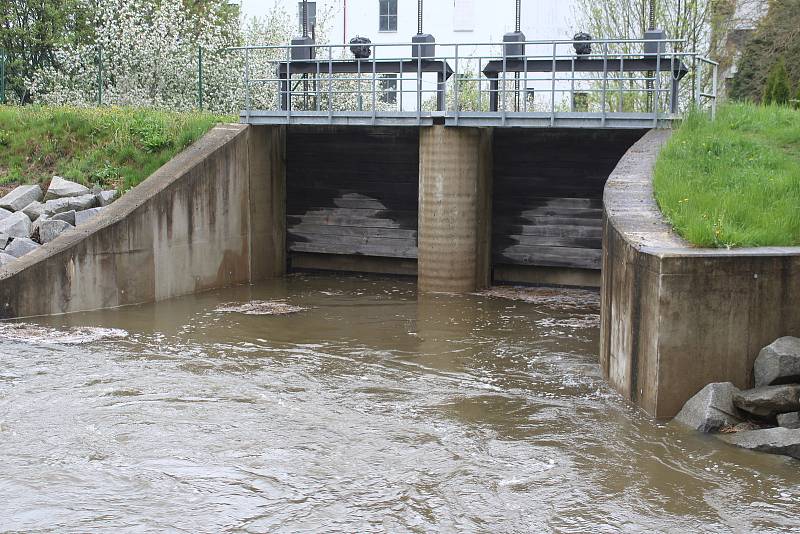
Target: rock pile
(30,217)
(765,418)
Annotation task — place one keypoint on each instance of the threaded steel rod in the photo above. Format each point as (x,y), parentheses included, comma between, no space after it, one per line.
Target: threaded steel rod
(518,19)
(419,17)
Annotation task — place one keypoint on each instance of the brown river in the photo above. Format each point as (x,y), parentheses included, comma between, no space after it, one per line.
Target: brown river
(369,410)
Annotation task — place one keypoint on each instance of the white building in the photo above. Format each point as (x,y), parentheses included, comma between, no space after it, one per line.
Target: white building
(449,21)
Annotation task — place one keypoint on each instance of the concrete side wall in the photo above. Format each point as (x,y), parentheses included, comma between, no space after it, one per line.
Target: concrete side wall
(187,228)
(454,209)
(674,317)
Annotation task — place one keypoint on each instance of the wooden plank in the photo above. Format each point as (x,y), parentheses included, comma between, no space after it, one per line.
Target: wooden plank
(380,250)
(579,258)
(327,229)
(569,241)
(370,222)
(551,230)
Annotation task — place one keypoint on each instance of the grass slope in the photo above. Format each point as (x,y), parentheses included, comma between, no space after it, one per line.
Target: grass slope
(114,147)
(733,182)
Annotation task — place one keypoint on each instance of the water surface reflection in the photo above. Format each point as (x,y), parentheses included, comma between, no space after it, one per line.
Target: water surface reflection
(372,410)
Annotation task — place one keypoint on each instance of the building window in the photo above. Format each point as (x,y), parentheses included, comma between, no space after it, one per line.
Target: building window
(463,15)
(389,88)
(312,16)
(387,15)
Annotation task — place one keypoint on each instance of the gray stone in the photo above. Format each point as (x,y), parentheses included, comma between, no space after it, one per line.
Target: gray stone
(4,214)
(60,205)
(85,216)
(106,197)
(21,246)
(21,197)
(778,440)
(789,420)
(6,258)
(33,210)
(67,216)
(16,225)
(711,408)
(50,230)
(36,224)
(778,363)
(3,241)
(61,188)
(769,401)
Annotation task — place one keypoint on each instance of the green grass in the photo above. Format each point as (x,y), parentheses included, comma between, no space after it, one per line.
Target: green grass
(733,182)
(113,147)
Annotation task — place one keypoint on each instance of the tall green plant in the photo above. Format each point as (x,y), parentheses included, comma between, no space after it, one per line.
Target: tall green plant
(778,88)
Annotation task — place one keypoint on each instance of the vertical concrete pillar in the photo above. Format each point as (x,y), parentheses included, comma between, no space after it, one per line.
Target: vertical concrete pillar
(267,206)
(455,170)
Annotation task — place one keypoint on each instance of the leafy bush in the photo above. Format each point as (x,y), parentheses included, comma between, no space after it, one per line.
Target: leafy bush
(778,88)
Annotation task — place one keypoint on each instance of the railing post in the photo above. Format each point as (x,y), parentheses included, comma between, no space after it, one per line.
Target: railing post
(714,89)
(457,77)
(553,89)
(247,83)
(605,84)
(2,77)
(657,90)
(200,77)
(100,75)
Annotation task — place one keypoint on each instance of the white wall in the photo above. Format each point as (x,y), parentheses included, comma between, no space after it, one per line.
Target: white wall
(541,19)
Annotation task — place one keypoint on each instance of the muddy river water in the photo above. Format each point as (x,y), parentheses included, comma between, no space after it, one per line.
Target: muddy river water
(371,410)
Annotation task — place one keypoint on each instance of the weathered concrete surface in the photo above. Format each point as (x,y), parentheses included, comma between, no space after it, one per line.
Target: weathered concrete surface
(187,228)
(675,318)
(454,209)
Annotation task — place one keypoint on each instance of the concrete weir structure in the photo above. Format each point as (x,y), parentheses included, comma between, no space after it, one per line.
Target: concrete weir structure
(458,207)
(675,318)
(209,218)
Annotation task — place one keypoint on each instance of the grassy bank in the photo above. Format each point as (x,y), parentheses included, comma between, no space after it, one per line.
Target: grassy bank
(734,182)
(115,147)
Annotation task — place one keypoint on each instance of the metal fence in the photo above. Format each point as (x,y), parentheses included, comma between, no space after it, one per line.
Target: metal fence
(2,76)
(543,83)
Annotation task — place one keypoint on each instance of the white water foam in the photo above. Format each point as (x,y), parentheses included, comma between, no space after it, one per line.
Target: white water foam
(260,307)
(41,335)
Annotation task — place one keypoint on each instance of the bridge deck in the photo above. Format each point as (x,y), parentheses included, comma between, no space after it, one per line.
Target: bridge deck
(467,119)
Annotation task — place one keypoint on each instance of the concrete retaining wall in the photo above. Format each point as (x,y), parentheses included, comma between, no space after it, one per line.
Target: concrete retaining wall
(674,317)
(207,219)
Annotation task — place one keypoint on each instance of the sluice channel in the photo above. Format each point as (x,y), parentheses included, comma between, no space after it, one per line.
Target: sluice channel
(345,403)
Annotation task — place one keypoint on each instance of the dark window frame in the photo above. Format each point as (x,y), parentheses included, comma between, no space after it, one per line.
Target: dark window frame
(387,16)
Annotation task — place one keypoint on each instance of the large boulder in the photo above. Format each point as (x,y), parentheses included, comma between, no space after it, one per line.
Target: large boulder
(778,363)
(768,401)
(711,409)
(51,229)
(82,217)
(16,225)
(67,216)
(21,197)
(789,420)
(5,259)
(104,198)
(772,440)
(4,241)
(4,214)
(34,210)
(61,188)
(60,205)
(21,246)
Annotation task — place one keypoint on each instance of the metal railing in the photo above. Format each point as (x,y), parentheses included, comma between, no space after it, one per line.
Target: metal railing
(2,76)
(549,84)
